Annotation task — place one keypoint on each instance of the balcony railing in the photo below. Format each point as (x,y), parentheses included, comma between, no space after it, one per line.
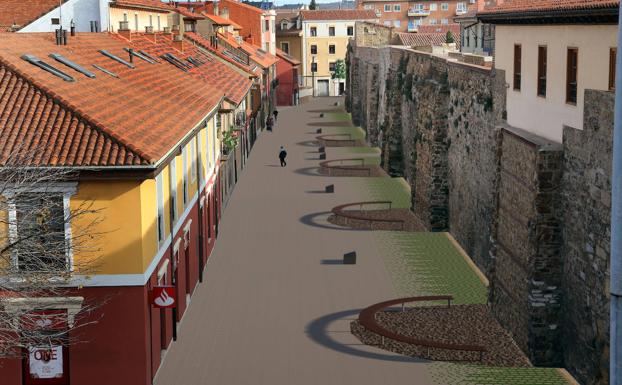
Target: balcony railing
(418,12)
(460,11)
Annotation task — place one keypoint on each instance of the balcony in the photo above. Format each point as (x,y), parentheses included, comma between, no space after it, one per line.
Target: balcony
(461,11)
(413,28)
(418,12)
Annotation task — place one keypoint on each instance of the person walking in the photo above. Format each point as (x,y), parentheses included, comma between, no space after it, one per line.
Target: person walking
(276,115)
(269,123)
(282,156)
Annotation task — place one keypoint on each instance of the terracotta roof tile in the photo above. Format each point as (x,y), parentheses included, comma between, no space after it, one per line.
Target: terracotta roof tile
(512,6)
(339,14)
(440,28)
(421,39)
(287,57)
(220,51)
(23,12)
(217,74)
(103,121)
(258,55)
(151,4)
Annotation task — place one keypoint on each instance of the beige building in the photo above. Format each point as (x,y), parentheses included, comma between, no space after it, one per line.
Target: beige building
(548,65)
(289,33)
(325,37)
(138,15)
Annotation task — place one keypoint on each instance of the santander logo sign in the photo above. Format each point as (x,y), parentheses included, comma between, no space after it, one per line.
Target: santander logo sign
(163,296)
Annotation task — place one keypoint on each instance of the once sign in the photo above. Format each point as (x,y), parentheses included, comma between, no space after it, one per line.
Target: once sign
(46,362)
(164,297)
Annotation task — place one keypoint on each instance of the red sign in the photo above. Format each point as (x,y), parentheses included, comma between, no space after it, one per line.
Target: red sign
(163,297)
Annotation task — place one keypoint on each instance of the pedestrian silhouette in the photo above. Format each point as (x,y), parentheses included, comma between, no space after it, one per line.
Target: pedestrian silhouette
(269,123)
(282,156)
(276,115)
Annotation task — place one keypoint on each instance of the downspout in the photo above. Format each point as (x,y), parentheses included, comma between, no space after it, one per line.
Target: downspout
(615,358)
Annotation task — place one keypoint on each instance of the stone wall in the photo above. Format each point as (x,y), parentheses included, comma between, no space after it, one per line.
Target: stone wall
(533,215)
(525,291)
(587,207)
(372,34)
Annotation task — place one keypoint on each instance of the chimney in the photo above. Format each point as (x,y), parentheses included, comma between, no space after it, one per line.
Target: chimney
(131,53)
(178,42)
(73,28)
(150,35)
(124,30)
(166,30)
(58,34)
(175,29)
(64,37)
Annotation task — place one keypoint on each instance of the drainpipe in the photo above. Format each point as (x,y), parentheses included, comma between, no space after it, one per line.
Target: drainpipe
(615,357)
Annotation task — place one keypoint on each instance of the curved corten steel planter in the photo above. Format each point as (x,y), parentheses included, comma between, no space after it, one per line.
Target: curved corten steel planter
(341,212)
(367,319)
(329,140)
(328,165)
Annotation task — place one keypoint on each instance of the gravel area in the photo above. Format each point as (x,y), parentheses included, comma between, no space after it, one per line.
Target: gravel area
(459,324)
(375,171)
(411,222)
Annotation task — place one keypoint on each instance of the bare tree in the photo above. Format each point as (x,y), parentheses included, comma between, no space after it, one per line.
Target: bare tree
(41,230)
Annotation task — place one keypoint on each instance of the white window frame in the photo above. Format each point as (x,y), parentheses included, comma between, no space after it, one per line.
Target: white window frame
(387,8)
(433,7)
(173,181)
(136,22)
(432,21)
(67,189)
(159,25)
(444,6)
(283,45)
(160,208)
(444,21)
(461,7)
(397,8)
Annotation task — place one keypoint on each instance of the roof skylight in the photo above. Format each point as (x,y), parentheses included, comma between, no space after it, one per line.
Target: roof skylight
(46,67)
(116,58)
(61,59)
(102,69)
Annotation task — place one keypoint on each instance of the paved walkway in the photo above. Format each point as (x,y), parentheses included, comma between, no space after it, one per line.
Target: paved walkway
(275,306)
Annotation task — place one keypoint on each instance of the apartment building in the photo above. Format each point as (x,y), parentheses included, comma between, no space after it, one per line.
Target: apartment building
(325,41)
(408,16)
(551,53)
(142,130)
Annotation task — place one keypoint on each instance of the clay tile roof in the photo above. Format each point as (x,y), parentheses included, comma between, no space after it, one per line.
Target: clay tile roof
(287,57)
(218,20)
(515,6)
(442,28)
(339,14)
(149,4)
(187,14)
(22,12)
(220,51)
(214,72)
(421,39)
(134,120)
(258,55)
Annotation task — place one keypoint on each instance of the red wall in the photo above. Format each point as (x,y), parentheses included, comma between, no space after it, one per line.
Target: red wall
(287,84)
(123,346)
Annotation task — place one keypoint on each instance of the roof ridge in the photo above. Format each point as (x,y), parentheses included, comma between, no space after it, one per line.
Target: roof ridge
(66,105)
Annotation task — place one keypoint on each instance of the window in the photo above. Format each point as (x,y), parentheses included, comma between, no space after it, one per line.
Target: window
(39,231)
(571,75)
(151,20)
(397,8)
(433,7)
(444,21)
(397,23)
(387,7)
(193,160)
(160,207)
(612,68)
(284,24)
(266,25)
(159,26)
(184,174)
(350,31)
(542,71)
(285,47)
(313,31)
(313,49)
(124,16)
(432,21)
(331,66)
(331,49)
(331,31)
(173,183)
(368,6)
(136,21)
(517,66)
(313,67)
(461,7)
(444,6)
(387,23)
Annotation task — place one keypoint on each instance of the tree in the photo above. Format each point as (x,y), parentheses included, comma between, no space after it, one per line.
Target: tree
(340,69)
(313,5)
(449,37)
(39,232)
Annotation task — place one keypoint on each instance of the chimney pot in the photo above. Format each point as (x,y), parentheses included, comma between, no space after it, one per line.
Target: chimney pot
(131,53)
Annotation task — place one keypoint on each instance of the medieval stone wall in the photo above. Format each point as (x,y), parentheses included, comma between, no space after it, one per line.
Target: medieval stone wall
(533,215)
